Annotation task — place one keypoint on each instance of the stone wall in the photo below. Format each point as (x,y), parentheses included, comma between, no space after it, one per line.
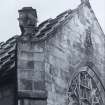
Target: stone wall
(7,95)
(49,66)
(31,77)
(66,53)
(64,56)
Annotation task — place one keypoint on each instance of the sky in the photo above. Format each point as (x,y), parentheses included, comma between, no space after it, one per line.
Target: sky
(45,9)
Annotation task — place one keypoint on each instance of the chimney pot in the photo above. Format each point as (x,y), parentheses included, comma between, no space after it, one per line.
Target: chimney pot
(27,20)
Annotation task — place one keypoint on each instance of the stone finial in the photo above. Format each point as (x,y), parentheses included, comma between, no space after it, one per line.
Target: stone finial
(84,1)
(27,20)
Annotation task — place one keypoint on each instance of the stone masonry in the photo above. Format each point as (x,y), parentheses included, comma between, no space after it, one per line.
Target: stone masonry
(49,66)
(59,62)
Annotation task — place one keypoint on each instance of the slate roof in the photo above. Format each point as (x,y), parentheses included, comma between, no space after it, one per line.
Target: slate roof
(8,49)
(49,26)
(7,58)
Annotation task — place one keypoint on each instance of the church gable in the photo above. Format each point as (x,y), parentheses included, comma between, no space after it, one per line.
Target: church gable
(47,56)
(74,45)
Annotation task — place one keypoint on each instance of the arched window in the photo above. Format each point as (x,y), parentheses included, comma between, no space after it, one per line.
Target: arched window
(85,89)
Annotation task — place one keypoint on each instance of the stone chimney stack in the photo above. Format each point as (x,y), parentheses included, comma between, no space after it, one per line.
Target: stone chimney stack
(27,20)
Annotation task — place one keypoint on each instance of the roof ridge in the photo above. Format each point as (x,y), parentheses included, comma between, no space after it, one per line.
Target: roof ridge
(49,25)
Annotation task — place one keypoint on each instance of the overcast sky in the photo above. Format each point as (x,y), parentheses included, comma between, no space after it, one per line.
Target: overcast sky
(45,8)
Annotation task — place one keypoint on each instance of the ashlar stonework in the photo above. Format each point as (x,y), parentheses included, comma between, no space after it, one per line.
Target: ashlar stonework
(59,62)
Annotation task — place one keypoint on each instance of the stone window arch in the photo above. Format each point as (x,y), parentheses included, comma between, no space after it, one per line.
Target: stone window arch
(85,89)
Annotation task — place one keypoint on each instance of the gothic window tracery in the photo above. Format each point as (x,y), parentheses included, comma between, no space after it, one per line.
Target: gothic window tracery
(83,90)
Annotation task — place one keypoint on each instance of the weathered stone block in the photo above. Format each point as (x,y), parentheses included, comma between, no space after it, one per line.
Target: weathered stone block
(22,63)
(25,64)
(38,48)
(35,102)
(26,55)
(39,66)
(38,76)
(38,57)
(25,74)
(30,64)
(39,85)
(35,94)
(24,84)
(24,46)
